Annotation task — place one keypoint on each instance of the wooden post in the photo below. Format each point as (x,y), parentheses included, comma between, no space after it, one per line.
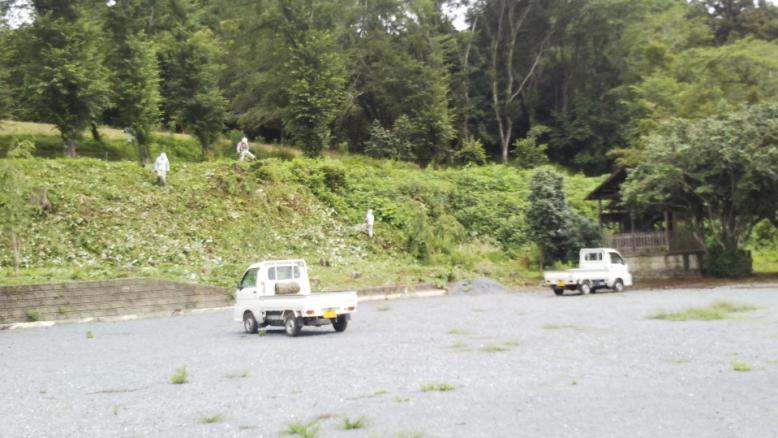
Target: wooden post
(632,229)
(667,230)
(599,213)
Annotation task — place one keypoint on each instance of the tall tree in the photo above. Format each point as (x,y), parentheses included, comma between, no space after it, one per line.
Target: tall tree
(134,72)
(722,171)
(63,79)
(514,36)
(189,56)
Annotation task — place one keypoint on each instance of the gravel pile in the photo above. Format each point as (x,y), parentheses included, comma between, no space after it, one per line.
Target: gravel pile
(478,286)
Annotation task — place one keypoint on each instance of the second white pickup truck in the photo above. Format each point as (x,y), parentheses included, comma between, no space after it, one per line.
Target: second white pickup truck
(597,268)
(278,293)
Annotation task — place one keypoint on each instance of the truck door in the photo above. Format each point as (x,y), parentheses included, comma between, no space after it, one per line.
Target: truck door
(248,294)
(618,267)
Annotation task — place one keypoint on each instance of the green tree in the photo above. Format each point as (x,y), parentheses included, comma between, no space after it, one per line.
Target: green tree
(316,92)
(721,171)
(551,224)
(134,72)
(63,79)
(189,65)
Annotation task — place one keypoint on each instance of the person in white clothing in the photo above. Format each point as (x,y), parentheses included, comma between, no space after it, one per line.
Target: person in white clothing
(243,149)
(161,168)
(369,220)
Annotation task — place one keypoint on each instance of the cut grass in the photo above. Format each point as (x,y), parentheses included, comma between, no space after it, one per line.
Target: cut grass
(180,377)
(210,419)
(381,392)
(493,349)
(717,311)
(238,375)
(558,326)
(439,387)
(459,332)
(359,423)
(740,366)
(303,430)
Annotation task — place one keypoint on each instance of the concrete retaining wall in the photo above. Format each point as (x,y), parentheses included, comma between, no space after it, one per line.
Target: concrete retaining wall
(64,301)
(665,266)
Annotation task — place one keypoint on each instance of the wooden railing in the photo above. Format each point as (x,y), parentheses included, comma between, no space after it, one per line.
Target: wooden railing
(655,242)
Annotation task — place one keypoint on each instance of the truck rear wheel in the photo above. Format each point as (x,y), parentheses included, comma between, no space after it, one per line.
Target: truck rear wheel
(557,290)
(585,288)
(249,323)
(292,325)
(340,323)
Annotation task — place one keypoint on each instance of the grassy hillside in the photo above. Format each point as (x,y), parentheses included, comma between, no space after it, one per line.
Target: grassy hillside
(214,218)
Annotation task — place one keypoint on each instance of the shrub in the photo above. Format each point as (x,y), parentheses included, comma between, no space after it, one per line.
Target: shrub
(723,263)
(528,152)
(22,149)
(394,144)
(471,152)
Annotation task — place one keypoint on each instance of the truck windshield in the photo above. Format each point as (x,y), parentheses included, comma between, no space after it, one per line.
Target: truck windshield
(616,259)
(249,279)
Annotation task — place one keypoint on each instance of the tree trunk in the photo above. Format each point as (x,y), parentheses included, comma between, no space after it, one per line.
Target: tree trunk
(95,132)
(71,149)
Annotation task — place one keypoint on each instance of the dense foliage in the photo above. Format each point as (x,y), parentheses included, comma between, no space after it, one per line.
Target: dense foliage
(392,78)
(109,220)
(722,171)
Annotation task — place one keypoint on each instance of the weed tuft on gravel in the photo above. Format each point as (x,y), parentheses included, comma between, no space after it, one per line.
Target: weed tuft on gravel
(716,311)
(558,326)
(359,423)
(210,419)
(180,377)
(89,334)
(440,387)
(238,375)
(740,366)
(459,332)
(303,430)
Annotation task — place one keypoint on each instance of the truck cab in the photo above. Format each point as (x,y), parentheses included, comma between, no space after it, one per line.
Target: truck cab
(278,293)
(597,268)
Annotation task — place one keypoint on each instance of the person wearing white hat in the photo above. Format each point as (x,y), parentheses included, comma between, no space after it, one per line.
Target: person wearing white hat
(243,149)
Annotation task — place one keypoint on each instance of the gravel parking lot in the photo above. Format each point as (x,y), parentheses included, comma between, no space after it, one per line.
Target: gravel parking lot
(518,364)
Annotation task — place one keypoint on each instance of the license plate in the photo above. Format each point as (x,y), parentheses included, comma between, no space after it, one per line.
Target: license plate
(329,314)
(560,283)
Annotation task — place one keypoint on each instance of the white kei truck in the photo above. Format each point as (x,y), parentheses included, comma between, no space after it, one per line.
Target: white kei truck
(597,268)
(278,293)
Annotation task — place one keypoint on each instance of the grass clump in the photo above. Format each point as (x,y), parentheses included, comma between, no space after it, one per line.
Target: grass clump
(303,430)
(262,332)
(558,326)
(440,387)
(359,423)
(741,367)
(717,311)
(381,392)
(180,377)
(458,332)
(32,315)
(210,419)
(89,334)
(238,375)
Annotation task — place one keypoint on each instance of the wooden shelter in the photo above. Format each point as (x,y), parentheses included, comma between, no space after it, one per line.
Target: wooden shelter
(653,231)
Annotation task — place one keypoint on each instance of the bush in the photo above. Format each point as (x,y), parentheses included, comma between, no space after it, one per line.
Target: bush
(723,263)
(471,152)
(22,149)
(529,153)
(393,144)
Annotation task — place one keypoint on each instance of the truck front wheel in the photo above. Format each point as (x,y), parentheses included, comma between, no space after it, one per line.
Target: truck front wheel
(249,323)
(557,290)
(618,286)
(340,323)
(292,325)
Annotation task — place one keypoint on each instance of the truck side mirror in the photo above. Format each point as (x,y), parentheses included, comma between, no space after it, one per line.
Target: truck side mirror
(238,286)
